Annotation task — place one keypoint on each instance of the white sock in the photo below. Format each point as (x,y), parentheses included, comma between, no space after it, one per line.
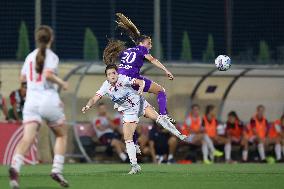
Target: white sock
(58,162)
(17,162)
(261,152)
(228,149)
(278,151)
(131,151)
(166,124)
(245,155)
(209,142)
(122,156)
(204,149)
(171,156)
(283,150)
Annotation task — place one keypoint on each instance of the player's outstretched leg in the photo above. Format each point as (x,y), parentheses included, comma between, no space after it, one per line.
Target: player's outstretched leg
(59,151)
(30,131)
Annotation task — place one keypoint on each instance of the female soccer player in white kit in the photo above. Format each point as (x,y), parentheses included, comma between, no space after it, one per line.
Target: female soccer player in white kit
(132,105)
(42,103)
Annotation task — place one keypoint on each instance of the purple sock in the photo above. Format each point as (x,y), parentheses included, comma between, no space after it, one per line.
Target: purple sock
(162,101)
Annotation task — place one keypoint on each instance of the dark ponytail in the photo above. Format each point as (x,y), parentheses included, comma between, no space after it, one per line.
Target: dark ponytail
(43,37)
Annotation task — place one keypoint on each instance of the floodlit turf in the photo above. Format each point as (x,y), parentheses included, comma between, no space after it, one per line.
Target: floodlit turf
(195,176)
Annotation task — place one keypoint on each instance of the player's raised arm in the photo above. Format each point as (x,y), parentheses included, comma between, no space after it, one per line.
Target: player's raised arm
(157,63)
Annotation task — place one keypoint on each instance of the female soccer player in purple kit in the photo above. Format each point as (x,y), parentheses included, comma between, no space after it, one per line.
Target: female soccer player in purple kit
(132,59)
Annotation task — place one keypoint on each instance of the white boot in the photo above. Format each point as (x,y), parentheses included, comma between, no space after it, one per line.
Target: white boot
(134,169)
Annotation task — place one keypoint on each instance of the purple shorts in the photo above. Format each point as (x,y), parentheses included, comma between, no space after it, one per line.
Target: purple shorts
(147,83)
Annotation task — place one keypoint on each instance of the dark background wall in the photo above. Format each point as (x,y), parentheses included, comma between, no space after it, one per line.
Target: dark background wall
(253,20)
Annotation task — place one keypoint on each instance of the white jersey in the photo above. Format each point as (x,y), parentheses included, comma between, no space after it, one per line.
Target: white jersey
(37,83)
(129,102)
(42,100)
(122,93)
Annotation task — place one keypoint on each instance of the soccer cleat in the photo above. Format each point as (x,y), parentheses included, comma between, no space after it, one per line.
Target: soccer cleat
(134,169)
(218,153)
(138,150)
(14,178)
(207,162)
(58,177)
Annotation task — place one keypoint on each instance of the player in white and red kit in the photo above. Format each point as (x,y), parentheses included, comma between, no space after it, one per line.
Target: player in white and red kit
(42,103)
(119,89)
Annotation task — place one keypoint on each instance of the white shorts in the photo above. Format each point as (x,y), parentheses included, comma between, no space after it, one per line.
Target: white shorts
(49,108)
(133,114)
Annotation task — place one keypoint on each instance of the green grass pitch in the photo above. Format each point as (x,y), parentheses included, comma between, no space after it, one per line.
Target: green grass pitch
(195,176)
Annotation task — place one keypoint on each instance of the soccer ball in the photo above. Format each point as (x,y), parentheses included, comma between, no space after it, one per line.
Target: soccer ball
(223,62)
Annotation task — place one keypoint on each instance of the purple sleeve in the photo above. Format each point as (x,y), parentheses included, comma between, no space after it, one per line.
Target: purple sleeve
(143,50)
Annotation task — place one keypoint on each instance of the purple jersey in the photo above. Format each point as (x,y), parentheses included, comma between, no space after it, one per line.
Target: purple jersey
(131,60)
